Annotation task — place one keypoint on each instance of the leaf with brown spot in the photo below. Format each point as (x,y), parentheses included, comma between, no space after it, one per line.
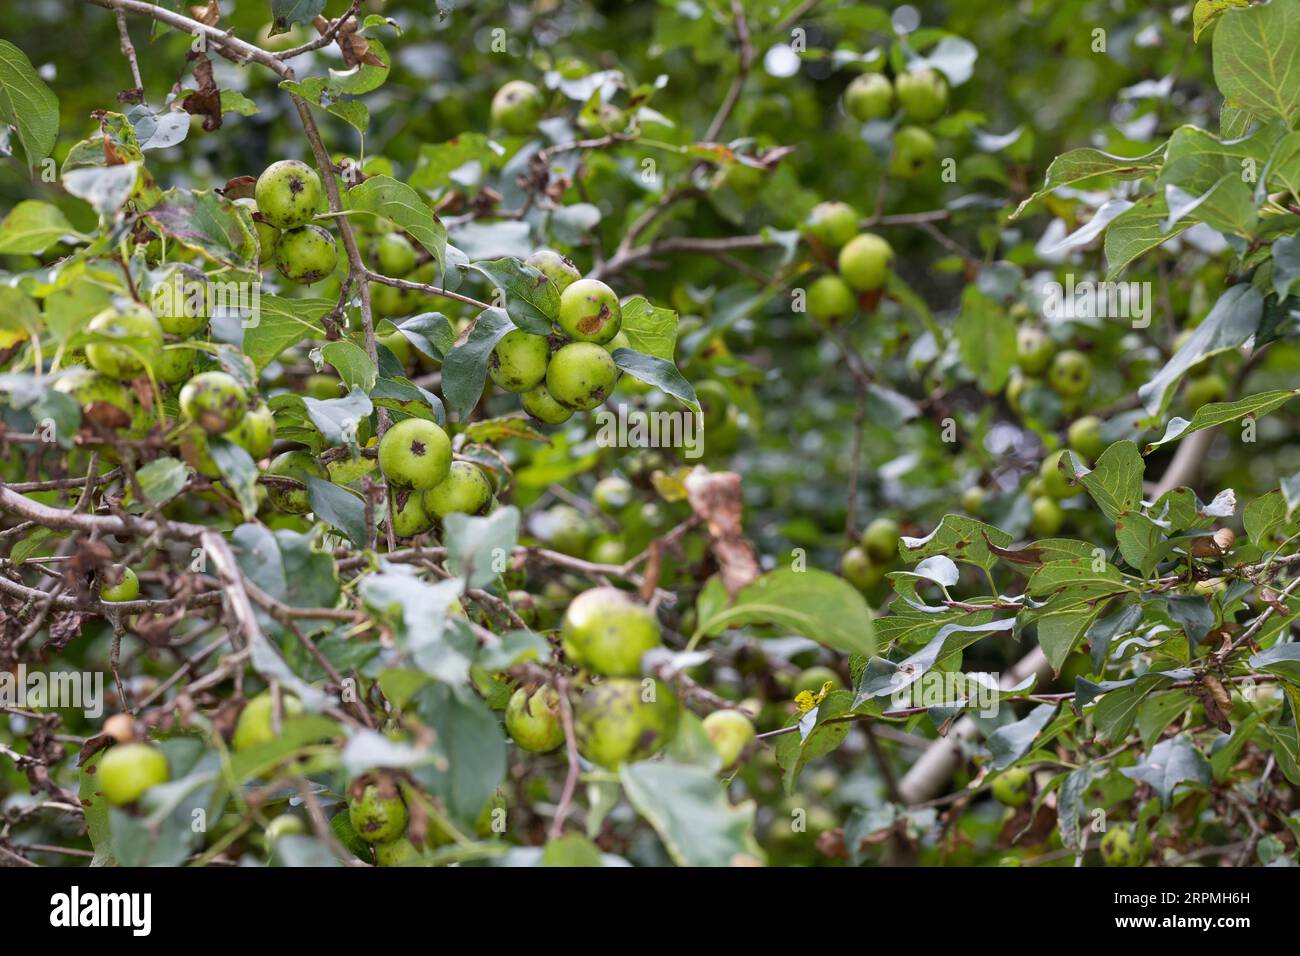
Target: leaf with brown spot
(206,100)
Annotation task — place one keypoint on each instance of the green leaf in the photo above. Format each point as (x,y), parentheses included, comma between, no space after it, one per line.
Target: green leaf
(438,161)
(338,419)
(986,339)
(1158,712)
(238,471)
(531,298)
(1138,229)
(465,368)
(1207,11)
(1263,515)
(470,736)
(478,548)
(571,850)
(283,323)
(27,104)
(418,614)
(1116,483)
(402,205)
(296,733)
(353,364)
(339,507)
(96,807)
(1116,712)
(884,678)
(1075,581)
(687,806)
(1012,741)
(661,373)
(819,732)
(960,538)
(286,13)
(161,480)
(106,188)
(1169,763)
(1257,58)
(1282,660)
(1080,164)
(651,329)
(1219,413)
(33,226)
(816,604)
(1059,632)
(209,223)
(1139,538)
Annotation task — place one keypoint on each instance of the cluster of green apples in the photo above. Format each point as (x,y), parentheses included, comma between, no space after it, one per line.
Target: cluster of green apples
(573,368)
(864,565)
(863,262)
(427,484)
(921,96)
(286,198)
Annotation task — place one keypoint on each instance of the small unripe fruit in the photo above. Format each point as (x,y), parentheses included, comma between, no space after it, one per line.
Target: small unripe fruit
(128,770)
(612,494)
(869,97)
(395,852)
(622,719)
(866,261)
(730,732)
(518,363)
(465,490)
(1011,788)
(306,254)
(832,223)
(516,107)
(1055,484)
(119,584)
(1046,517)
(1070,374)
(288,194)
(607,632)
(589,311)
(214,401)
(913,151)
(134,339)
(1119,847)
(296,464)
(175,364)
(394,254)
(286,824)
(1084,436)
(539,403)
(102,399)
(1204,390)
(1033,349)
(410,516)
(859,570)
(558,268)
(880,539)
(255,726)
(581,375)
(415,453)
(533,721)
(972,499)
(923,94)
(375,817)
(255,432)
(831,301)
(267,234)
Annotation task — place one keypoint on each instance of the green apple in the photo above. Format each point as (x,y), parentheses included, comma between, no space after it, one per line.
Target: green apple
(533,720)
(102,399)
(913,151)
(286,824)
(288,193)
(623,719)
(730,732)
(972,499)
(612,494)
(1204,390)
(306,254)
(607,632)
(255,432)
(517,107)
(410,515)
(255,727)
(880,540)
(859,570)
(126,771)
(119,583)
(415,453)
(831,301)
(465,490)
(267,234)
(832,223)
(589,311)
(1084,436)
(518,363)
(866,261)
(378,817)
(1070,374)
(869,97)
(813,679)
(923,94)
(296,464)
(129,338)
(581,375)
(175,364)
(214,401)
(395,852)
(540,404)
(558,268)
(1120,847)
(1011,788)
(1055,484)
(394,254)
(1046,517)
(1034,349)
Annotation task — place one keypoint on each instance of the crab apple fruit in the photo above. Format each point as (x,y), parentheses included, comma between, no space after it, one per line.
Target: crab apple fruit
(401,347)
(306,254)
(128,770)
(859,570)
(286,824)
(607,632)
(465,490)
(533,720)
(1084,436)
(1055,484)
(517,107)
(972,499)
(395,852)
(913,151)
(389,301)
(832,223)
(923,94)
(394,254)
(135,340)
(410,516)
(267,234)
(865,262)
(730,732)
(581,375)
(1045,516)
(1204,390)
(255,432)
(831,301)
(556,267)
(542,405)
(102,399)
(1070,374)
(119,583)
(869,97)
(287,194)
(176,364)
(215,401)
(255,726)
(1011,788)
(880,539)
(624,719)
(179,312)
(377,818)
(1034,349)
(608,549)
(415,453)
(589,311)
(1120,847)
(298,465)
(518,363)
(612,494)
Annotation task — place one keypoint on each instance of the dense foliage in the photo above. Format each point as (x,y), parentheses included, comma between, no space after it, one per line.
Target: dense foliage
(710,432)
